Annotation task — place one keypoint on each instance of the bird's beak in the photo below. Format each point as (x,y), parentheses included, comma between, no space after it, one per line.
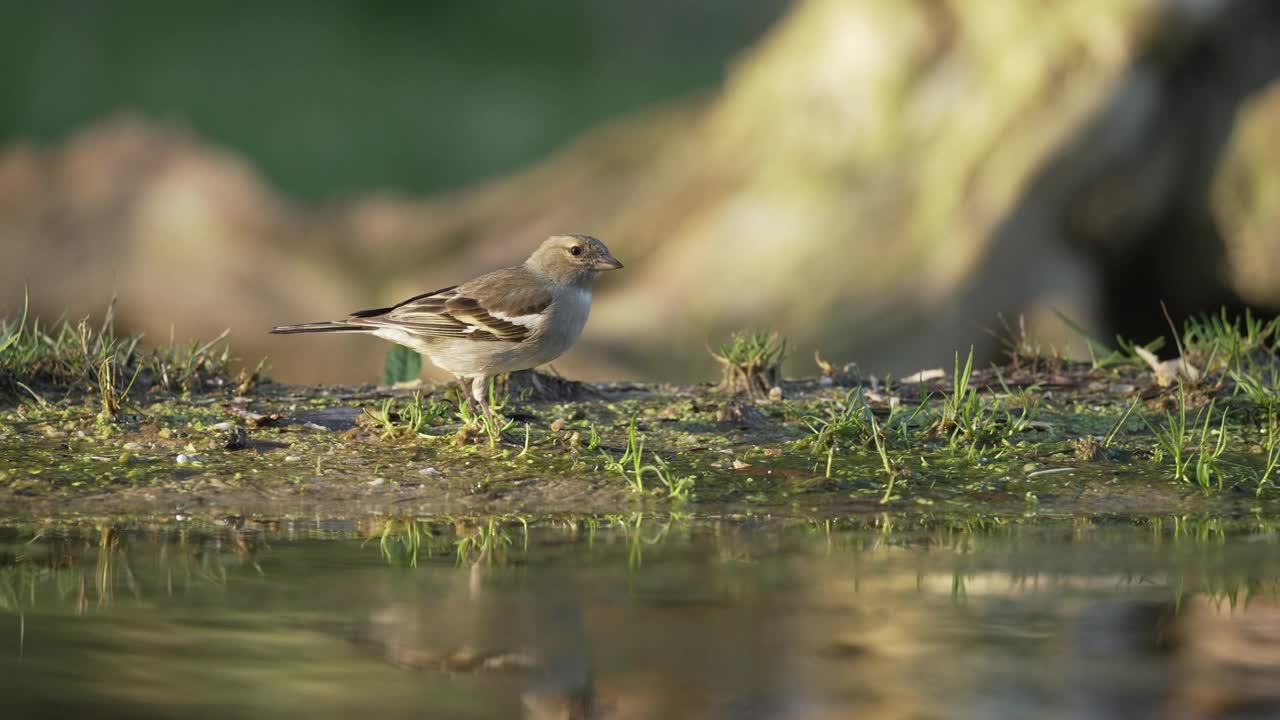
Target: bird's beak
(608,262)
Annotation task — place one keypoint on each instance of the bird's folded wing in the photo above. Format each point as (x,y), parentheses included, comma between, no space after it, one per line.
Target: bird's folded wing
(507,305)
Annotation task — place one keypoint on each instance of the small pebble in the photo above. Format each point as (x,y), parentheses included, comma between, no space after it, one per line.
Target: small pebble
(292,458)
(775,393)
(738,464)
(430,472)
(184,458)
(376,482)
(1050,471)
(924,376)
(557,425)
(131,446)
(222,426)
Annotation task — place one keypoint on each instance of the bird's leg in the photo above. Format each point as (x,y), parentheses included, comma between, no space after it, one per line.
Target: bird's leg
(538,390)
(480,391)
(464,392)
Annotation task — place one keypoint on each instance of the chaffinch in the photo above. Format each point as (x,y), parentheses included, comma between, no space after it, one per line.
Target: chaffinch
(512,319)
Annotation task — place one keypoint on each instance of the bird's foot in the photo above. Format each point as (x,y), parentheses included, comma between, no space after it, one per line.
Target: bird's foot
(483,423)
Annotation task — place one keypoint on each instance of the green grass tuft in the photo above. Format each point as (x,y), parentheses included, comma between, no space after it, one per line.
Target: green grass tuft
(407,419)
(751,362)
(632,468)
(37,358)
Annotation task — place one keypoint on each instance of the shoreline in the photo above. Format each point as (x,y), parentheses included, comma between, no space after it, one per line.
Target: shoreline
(285,449)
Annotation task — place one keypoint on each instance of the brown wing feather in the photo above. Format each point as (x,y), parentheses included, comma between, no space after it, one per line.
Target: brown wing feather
(471,310)
(512,292)
(426,298)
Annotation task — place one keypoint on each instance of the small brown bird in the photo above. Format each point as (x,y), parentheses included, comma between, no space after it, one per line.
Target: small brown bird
(512,319)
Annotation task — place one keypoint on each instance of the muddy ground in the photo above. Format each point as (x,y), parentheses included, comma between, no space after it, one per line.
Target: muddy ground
(340,450)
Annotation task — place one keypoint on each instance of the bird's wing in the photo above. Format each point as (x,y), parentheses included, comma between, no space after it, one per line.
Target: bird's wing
(507,305)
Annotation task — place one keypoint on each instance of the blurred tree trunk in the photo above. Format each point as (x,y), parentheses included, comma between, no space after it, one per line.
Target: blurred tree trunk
(880,179)
(1162,186)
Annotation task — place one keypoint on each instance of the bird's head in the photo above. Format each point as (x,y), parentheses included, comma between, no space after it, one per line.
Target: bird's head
(572,259)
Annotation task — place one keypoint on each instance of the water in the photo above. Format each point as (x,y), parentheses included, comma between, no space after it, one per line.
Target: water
(641,616)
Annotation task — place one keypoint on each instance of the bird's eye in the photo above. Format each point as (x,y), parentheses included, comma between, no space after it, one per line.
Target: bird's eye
(576,250)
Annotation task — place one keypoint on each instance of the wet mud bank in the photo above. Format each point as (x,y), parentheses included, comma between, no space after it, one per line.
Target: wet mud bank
(1067,440)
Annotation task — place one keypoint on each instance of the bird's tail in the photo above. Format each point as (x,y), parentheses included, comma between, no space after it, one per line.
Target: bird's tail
(317,327)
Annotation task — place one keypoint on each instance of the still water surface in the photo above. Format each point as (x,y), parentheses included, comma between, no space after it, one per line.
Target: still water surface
(641,616)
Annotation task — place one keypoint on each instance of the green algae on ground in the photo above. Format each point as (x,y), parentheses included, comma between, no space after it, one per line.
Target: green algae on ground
(1040,434)
(290,444)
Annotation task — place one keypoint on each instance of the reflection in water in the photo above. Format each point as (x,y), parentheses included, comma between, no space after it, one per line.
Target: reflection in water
(643,616)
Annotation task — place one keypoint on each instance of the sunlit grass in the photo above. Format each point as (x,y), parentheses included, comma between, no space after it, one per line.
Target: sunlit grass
(1194,448)
(1230,344)
(751,362)
(632,468)
(37,358)
(408,418)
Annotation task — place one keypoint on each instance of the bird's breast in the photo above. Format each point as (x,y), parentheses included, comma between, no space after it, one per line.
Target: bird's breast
(567,318)
(568,314)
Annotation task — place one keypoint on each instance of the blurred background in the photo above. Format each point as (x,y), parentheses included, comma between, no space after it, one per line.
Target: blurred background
(881,180)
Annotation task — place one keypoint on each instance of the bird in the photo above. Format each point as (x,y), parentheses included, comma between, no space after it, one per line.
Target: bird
(516,318)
